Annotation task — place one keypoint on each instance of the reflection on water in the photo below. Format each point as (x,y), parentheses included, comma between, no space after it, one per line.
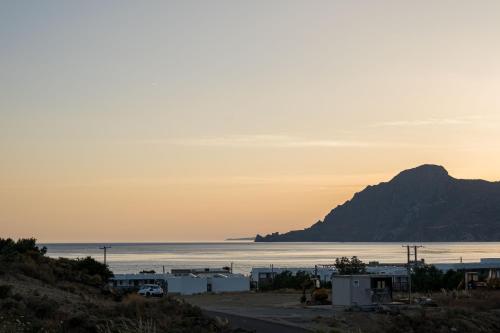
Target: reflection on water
(133,257)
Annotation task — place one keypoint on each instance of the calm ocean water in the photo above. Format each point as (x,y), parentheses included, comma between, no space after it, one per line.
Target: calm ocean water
(134,257)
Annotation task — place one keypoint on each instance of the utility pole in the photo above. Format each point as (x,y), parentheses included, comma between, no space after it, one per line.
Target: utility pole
(409,265)
(408,271)
(105,248)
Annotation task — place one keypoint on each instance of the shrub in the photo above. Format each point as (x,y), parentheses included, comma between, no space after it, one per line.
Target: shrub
(494,283)
(427,278)
(303,297)
(134,305)
(286,280)
(22,246)
(5,291)
(35,270)
(91,267)
(42,307)
(452,279)
(320,295)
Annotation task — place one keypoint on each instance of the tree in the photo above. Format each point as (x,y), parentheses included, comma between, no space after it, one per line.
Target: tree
(346,266)
(427,278)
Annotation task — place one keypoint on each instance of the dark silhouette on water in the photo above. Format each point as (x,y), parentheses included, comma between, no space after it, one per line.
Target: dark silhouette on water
(420,204)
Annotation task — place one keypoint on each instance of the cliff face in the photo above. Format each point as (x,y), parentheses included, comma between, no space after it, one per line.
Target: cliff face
(420,204)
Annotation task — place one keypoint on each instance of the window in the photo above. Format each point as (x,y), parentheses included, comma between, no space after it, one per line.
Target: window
(380,284)
(355,283)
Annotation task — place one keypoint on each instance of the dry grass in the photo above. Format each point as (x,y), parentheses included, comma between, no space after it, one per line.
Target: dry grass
(40,294)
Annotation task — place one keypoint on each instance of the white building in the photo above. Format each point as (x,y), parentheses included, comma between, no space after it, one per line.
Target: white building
(488,266)
(220,283)
(325,273)
(361,290)
(136,280)
(185,284)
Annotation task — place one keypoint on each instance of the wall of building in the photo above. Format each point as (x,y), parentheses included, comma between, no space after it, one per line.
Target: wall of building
(341,292)
(351,290)
(186,285)
(361,290)
(230,284)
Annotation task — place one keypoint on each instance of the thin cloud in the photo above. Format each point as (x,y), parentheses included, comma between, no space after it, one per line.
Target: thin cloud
(429,122)
(286,142)
(271,141)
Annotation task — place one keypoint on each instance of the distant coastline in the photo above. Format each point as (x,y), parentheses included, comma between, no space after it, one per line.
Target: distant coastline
(241,239)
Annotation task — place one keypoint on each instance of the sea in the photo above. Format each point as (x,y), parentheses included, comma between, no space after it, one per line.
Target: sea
(135,257)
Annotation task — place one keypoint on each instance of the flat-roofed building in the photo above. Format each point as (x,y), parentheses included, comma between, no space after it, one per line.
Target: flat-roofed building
(361,290)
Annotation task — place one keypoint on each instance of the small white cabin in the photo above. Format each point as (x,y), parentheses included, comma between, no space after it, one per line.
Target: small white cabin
(361,290)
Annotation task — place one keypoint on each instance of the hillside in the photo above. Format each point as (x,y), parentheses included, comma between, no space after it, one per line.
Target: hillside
(40,294)
(420,204)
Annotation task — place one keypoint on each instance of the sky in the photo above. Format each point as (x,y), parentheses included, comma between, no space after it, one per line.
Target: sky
(202,120)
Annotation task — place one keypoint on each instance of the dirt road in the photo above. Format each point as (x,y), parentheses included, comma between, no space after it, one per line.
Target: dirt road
(254,324)
(264,312)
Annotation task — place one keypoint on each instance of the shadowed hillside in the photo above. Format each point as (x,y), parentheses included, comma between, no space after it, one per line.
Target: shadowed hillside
(41,294)
(420,204)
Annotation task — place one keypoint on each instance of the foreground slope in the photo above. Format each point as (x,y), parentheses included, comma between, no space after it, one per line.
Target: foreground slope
(420,204)
(41,294)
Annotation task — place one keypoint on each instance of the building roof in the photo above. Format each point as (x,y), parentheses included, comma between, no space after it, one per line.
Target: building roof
(345,276)
(160,276)
(483,264)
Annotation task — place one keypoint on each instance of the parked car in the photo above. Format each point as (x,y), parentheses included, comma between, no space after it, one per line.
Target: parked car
(151,290)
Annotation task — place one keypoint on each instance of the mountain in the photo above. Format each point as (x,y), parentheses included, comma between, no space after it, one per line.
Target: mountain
(422,204)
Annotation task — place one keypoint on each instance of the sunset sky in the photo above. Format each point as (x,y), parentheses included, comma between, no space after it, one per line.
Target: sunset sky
(201,120)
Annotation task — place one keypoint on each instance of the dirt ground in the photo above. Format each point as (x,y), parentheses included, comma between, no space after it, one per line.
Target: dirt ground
(474,312)
(277,307)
